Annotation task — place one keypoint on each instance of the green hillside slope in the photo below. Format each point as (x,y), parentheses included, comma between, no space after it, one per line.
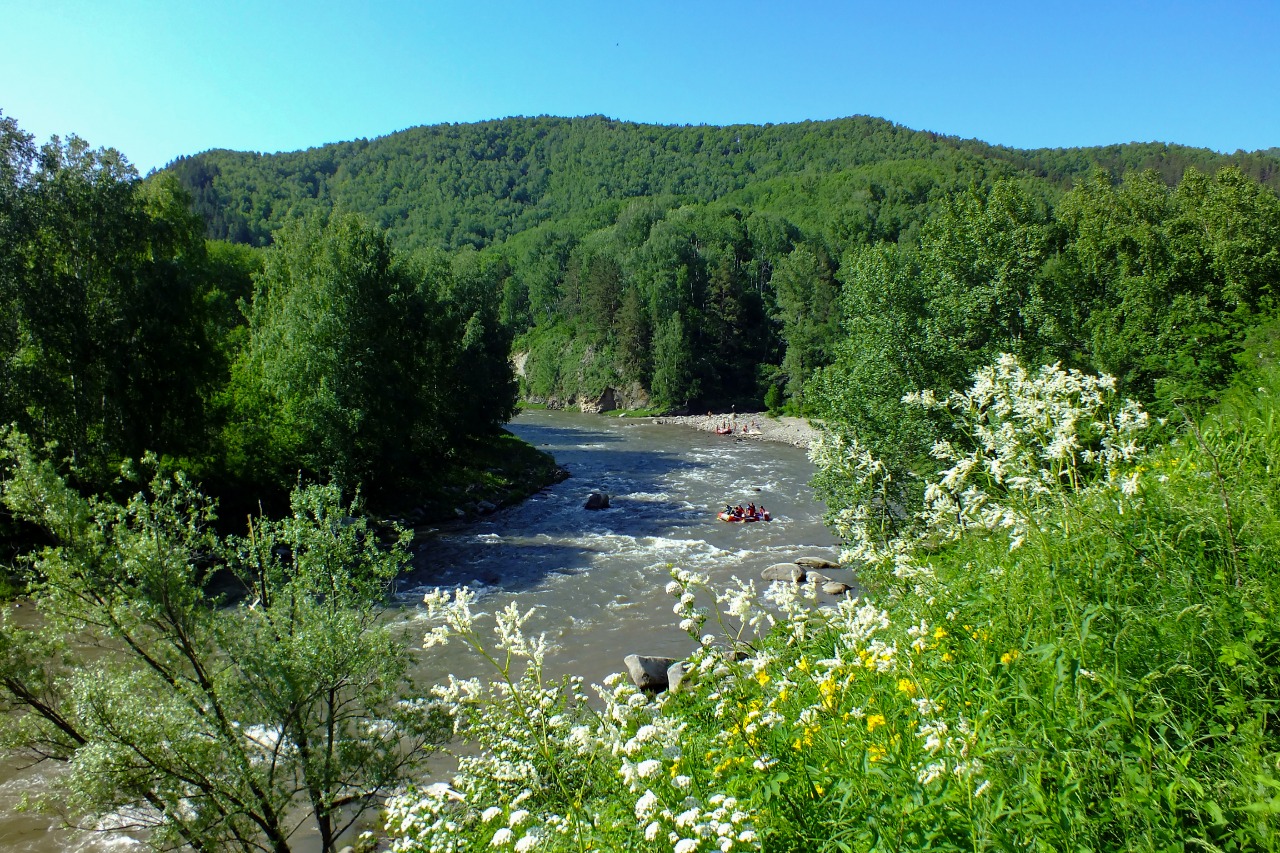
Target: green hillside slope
(477,184)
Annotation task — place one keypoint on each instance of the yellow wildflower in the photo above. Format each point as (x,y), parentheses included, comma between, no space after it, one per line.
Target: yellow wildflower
(762,677)
(875,753)
(1009,657)
(875,721)
(803,664)
(939,632)
(828,690)
(907,686)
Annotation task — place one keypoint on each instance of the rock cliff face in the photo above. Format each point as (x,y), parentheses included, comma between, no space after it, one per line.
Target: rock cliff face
(611,399)
(631,395)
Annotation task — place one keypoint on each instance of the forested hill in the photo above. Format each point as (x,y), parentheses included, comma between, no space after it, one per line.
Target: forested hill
(823,268)
(455,185)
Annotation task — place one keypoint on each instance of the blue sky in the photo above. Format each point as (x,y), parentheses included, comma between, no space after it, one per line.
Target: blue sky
(161,78)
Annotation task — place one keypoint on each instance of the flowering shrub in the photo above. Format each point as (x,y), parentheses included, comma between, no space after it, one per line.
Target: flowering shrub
(1029,440)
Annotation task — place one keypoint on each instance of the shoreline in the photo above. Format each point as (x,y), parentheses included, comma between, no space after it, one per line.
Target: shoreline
(760,426)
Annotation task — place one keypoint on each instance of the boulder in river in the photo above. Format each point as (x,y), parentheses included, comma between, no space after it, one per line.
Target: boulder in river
(597,500)
(784,572)
(816,563)
(649,673)
(835,588)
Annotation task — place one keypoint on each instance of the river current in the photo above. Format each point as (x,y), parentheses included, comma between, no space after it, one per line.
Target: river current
(594,579)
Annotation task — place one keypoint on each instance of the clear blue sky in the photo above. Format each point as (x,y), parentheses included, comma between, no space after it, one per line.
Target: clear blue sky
(161,78)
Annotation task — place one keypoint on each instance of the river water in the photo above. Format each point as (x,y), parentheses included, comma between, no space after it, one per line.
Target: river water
(595,579)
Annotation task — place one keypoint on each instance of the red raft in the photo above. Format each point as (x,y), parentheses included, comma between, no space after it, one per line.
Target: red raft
(742,519)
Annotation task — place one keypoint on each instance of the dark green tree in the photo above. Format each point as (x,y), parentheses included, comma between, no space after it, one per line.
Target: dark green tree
(674,381)
(101,282)
(323,385)
(809,313)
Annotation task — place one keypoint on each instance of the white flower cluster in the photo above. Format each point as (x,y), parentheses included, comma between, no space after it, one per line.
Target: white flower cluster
(545,737)
(1031,437)
(947,747)
(1028,438)
(717,824)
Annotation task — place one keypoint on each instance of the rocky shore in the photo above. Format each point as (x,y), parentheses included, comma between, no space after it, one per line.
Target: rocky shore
(756,426)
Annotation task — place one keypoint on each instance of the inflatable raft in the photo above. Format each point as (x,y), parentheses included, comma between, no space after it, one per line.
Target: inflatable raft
(736,519)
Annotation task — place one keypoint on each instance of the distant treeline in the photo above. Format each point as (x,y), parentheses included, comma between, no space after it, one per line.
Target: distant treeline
(453,185)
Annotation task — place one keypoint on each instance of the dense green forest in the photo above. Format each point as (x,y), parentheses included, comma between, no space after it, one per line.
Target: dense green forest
(708,266)
(329,355)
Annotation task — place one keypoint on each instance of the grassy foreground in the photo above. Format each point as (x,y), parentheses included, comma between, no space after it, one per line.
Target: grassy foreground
(1077,647)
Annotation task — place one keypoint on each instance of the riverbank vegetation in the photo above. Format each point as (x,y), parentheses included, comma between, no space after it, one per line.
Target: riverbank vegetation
(216,692)
(1072,646)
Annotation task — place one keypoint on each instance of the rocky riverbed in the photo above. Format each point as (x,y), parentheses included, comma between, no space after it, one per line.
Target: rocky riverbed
(757,426)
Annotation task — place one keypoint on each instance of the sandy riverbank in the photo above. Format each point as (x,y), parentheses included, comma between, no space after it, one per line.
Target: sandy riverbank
(760,427)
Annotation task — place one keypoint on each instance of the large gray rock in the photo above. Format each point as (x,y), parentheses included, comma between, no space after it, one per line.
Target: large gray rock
(784,572)
(677,674)
(597,500)
(816,563)
(647,672)
(835,588)
(816,577)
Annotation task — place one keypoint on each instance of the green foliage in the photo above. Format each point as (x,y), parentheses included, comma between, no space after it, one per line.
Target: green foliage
(450,186)
(212,723)
(807,309)
(355,360)
(674,383)
(103,345)
(609,229)
(1172,278)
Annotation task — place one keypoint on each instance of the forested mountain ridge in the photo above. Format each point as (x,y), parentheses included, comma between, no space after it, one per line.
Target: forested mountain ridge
(454,185)
(705,266)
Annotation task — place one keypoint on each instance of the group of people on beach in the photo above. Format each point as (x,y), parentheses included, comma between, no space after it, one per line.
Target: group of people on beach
(730,426)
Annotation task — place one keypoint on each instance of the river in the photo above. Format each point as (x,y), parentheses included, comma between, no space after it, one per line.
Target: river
(595,579)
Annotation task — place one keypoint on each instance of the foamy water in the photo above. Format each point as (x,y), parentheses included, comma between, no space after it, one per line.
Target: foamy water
(596,579)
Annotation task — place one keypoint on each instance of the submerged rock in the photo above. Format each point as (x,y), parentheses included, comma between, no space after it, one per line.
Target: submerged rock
(597,500)
(816,563)
(784,572)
